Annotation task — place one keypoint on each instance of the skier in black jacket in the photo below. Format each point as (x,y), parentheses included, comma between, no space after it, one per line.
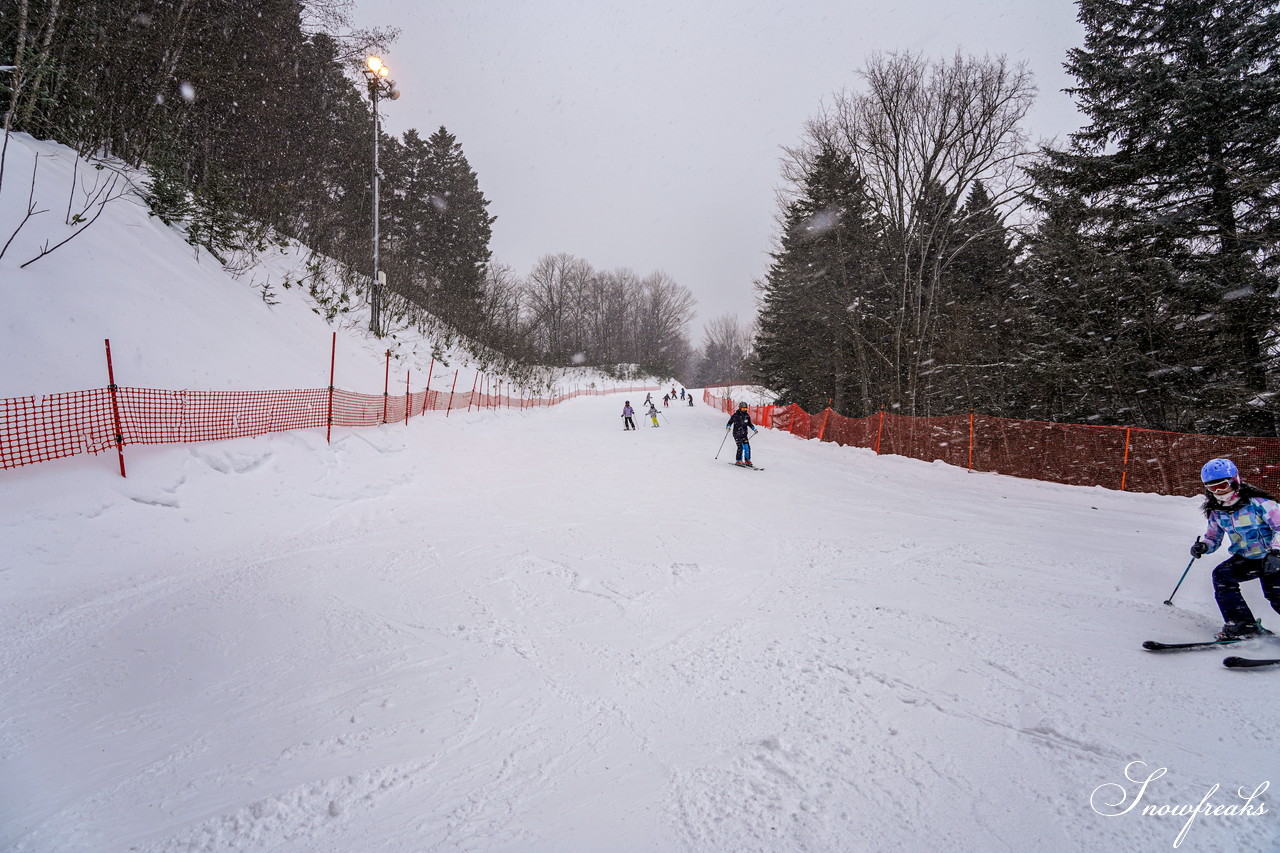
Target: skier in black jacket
(740,422)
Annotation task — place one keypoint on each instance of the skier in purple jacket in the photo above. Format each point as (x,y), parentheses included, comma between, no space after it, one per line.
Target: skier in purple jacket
(1249,518)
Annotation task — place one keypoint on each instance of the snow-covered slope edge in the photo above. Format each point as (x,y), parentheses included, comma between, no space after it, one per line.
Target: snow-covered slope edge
(175,317)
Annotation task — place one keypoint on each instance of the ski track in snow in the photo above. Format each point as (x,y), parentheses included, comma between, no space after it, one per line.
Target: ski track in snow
(515,631)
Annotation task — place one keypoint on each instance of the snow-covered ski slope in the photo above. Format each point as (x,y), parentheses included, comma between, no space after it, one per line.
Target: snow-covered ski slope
(537,632)
(533,632)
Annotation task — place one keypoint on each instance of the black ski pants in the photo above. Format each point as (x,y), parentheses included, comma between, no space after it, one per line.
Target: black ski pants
(1228,576)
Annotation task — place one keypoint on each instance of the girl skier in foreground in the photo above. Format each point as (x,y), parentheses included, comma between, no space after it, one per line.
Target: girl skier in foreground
(1250,518)
(740,422)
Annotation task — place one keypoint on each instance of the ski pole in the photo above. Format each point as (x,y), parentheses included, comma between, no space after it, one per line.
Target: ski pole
(1169,600)
(722,441)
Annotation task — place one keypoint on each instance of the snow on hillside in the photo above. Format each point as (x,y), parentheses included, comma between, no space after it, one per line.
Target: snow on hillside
(175,318)
(533,631)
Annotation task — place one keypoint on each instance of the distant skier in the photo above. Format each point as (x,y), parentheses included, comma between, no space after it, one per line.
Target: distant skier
(653,413)
(681,393)
(666,400)
(627,413)
(691,400)
(648,399)
(740,422)
(1250,519)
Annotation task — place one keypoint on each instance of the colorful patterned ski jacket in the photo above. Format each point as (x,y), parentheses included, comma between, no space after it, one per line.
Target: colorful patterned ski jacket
(1250,525)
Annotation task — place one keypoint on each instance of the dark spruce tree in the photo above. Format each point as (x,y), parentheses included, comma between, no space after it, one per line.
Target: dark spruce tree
(821,333)
(439,228)
(1092,323)
(971,368)
(326,188)
(1174,180)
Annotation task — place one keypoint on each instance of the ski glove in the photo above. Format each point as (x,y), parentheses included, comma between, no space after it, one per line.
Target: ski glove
(1199,549)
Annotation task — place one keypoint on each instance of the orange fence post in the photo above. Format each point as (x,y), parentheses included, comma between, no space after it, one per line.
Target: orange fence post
(1124,472)
(971,441)
(451,390)
(822,430)
(879,432)
(408,397)
(333,354)
(474,383)
(115,407)
(386,386)
(426,397)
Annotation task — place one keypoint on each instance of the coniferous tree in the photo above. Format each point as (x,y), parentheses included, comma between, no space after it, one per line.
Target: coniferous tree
(1176,175)
(1089,322)
(245,120)
(820,334)
(329,205)
(971,369)
(440,227)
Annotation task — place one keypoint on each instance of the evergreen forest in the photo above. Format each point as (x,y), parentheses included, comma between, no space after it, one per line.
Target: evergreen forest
(932,261)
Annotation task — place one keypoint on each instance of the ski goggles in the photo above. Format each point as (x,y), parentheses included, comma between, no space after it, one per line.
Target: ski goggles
(1221,486)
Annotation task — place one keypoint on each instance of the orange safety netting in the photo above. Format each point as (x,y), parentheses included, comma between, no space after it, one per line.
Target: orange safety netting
(53,426)
(1127,458)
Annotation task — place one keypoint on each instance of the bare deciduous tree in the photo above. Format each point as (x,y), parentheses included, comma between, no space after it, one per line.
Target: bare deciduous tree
(922,134)
(553,301)
(575,314)
(665,311)
(500,307)
(725,346)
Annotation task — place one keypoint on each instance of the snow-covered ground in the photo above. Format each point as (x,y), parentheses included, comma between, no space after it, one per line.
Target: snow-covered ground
(533,631)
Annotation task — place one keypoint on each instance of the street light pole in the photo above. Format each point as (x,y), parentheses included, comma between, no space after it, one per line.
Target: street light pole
(375,73)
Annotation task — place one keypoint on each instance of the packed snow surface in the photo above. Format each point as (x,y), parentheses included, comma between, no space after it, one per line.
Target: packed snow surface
(510,630)
(505,631)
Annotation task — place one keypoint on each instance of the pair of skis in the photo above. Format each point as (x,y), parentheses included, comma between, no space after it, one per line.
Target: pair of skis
(1231,662)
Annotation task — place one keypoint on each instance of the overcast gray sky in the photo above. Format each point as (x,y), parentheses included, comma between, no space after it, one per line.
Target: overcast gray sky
(646,134)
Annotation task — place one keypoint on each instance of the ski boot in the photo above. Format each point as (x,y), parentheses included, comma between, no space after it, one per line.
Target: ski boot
(1242,630)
